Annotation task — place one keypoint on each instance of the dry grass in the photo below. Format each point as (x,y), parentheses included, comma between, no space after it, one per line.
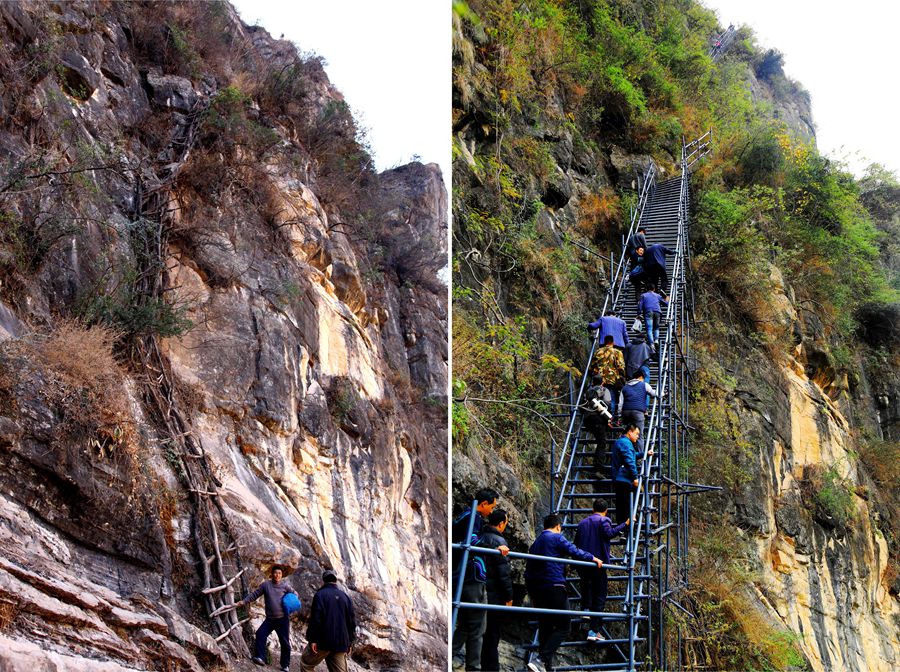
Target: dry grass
(8,613)
(88,386)
(601,213)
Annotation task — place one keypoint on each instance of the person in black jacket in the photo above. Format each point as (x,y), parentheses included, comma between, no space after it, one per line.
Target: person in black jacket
(332,628)
(498,585)
(470,623)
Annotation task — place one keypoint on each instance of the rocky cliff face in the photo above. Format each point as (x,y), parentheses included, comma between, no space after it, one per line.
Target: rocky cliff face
(828,581)
(297,315)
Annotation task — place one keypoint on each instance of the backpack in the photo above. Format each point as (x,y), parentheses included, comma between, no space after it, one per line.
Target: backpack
(476,570)
(290,603)
(595,392)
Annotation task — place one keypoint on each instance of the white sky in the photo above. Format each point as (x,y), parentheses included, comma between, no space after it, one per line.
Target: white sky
(390,59)
(845,54)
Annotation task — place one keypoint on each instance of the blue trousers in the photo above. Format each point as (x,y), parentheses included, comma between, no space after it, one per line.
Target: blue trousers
(282,627)
(651,322)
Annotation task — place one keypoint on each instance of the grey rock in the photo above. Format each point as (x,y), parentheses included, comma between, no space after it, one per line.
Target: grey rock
(172,91)
(79,79)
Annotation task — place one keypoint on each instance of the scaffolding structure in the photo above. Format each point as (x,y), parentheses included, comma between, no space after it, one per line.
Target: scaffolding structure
(653,564)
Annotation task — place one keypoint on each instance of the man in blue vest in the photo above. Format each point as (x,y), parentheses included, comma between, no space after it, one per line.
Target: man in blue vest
(634,403)
(471,623)
(546,583)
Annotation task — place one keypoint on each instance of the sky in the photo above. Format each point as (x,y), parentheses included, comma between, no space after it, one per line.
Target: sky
(390,60)
(845,54)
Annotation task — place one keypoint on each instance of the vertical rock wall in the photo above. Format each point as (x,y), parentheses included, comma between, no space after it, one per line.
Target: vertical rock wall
(314,377)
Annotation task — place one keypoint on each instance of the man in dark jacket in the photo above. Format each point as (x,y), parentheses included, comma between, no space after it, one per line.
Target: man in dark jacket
(471,623)
(546,583)
(499,588)
(593,535)
(655,265)
(273,592)
(639,239)
(332,628)
(637,359)
(596,408)
(610,325)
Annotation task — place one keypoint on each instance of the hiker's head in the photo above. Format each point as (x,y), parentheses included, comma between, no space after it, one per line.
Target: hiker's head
(652,288)
(596,380)
(640,251)
(328,576)
(487,500)
(632,432)
(608,340)
(639,375)
(600,506)
(552,522)
(277,573)
(642,229)
(499,519)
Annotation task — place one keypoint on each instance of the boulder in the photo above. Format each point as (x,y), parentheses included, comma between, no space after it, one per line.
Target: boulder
(172,91)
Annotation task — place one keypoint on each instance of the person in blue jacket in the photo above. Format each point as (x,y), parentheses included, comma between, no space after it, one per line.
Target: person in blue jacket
(546,583)
(650,306)
(594,535)
(655,265)
(624,471)
(612,325)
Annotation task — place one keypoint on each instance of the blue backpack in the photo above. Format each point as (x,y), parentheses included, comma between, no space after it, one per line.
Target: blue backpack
(290,603)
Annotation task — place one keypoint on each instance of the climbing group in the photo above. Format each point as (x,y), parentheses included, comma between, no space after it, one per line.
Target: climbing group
(616,400)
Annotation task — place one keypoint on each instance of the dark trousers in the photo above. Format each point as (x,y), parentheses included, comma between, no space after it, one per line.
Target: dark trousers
(657,276)
(282,627)
(593,593)
(490,658)
(470,625)
(552,630)
(597,426)
(635,418)
(614,390)
(623,500)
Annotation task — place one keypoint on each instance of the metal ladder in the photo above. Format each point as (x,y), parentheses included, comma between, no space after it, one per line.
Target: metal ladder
(654,547)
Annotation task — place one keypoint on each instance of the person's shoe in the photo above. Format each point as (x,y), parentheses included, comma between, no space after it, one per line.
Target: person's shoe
(285,668)
(594,636)
(536,665)
(258,661)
